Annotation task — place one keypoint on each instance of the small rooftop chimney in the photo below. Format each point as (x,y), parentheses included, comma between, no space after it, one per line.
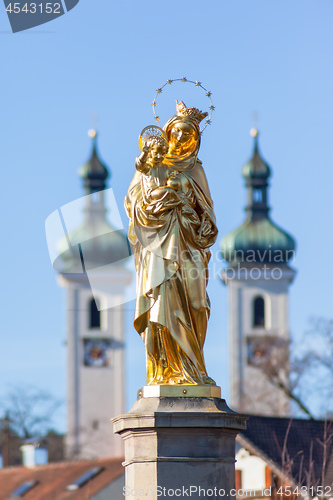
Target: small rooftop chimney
(34,452)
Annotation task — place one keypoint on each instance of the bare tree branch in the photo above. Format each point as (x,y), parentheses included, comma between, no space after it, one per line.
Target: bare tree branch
(306,367)
(31,410)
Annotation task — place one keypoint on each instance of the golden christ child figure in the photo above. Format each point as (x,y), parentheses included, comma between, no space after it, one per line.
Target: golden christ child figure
(172,225)
(159,182)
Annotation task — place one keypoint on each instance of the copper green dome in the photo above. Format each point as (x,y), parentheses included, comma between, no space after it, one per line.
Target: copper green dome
(95,242)
(92,245)
(258,239)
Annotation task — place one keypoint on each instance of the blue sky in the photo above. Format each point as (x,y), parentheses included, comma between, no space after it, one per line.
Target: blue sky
(265,57)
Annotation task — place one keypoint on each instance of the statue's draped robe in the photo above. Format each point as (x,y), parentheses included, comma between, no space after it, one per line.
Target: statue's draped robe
(171,248)
(172,307)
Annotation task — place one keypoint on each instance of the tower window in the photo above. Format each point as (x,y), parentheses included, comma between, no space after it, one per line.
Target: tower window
(259,312)
(257,196)
(95,314)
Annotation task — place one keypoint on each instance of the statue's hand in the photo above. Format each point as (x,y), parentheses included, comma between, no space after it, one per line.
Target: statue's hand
(145,148)
(205,234)
(206,229)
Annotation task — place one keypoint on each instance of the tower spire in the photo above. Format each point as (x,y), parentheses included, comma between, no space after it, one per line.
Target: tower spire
(256,173)
(91,268)
(258,237)
(258,278)
(100,243)
(94,173)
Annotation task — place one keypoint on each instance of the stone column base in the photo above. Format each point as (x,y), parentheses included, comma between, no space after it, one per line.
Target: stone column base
(179,445)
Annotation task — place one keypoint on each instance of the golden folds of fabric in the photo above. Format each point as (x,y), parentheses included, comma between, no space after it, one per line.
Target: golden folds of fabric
(170,238)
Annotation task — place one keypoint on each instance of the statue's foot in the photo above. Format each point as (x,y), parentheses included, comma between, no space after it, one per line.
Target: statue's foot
(208,380)
(168,378)
(177,381)
(171,377)
(156,381)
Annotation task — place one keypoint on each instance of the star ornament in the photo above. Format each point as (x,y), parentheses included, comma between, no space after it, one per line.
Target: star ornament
(197,84)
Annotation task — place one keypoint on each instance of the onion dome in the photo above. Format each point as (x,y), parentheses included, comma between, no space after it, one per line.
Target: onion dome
(256,167)
(258,240)
(94,172)
(95,242)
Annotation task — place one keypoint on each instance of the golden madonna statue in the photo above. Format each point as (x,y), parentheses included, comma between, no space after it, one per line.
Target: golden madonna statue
(172,226)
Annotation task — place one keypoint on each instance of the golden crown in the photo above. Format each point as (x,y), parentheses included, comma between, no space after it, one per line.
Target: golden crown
(195,113)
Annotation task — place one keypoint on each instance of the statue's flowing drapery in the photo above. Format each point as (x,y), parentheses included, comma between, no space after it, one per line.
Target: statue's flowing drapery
(170,243)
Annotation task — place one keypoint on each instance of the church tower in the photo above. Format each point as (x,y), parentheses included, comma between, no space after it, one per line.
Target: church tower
(258,279)
(92,270)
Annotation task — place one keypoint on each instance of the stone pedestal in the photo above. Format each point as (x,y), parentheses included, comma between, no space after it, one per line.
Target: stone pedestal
(179,442)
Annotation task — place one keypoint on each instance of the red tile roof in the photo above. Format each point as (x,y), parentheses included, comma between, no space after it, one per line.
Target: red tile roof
(53,479)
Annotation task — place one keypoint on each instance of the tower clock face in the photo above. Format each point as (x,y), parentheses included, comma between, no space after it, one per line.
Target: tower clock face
(258,351)
(264,349)
(95,351)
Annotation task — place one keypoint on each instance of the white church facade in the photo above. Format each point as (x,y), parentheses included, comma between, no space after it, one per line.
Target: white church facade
(95,277)
(258,279)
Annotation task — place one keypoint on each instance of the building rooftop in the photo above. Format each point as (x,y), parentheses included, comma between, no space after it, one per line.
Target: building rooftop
(50,482)
(294,447)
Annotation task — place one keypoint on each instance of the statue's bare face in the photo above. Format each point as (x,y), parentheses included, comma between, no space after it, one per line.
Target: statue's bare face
(183,138)
(157,153)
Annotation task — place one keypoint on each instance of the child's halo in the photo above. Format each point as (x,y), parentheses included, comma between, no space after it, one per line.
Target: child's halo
(150,131)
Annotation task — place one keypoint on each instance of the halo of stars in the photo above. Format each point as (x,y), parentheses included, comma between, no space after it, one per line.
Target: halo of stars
(208,120)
